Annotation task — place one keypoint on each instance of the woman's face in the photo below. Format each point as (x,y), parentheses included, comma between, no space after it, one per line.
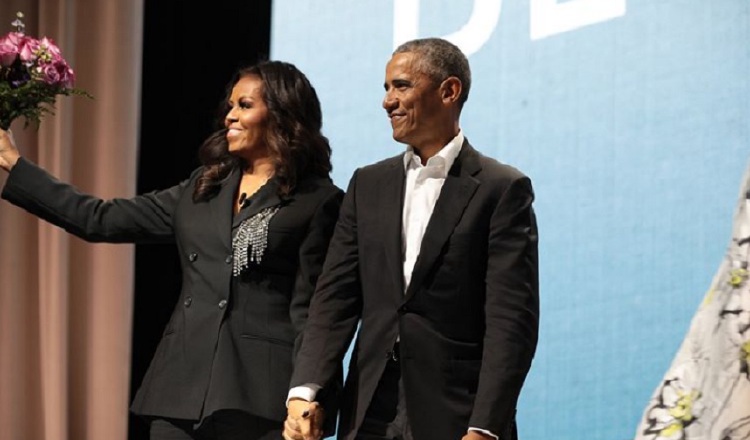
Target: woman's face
(246,119)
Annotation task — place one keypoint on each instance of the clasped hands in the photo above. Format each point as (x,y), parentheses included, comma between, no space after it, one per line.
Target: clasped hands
(304,420)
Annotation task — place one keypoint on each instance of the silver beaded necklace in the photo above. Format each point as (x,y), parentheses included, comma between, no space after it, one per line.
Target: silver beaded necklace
(251,240)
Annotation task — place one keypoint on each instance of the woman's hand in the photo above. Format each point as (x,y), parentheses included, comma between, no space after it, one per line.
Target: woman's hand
(9,154)
(304,420)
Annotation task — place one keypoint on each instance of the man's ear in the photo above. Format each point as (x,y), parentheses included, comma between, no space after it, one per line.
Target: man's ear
(450,89)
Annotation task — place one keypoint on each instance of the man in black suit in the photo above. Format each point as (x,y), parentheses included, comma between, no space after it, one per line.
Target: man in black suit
(434,256)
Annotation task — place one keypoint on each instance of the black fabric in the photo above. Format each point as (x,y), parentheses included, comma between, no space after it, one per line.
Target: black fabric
(222,425)
(386,418)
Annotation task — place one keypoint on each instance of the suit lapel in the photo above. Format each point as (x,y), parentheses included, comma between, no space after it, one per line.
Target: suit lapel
(221,207)
(457,191)
(390,207)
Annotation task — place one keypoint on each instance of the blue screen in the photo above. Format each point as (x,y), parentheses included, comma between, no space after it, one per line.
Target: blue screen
(630,117)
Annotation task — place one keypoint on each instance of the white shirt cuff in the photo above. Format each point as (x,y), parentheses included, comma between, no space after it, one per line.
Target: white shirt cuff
(307,392)
(484,431)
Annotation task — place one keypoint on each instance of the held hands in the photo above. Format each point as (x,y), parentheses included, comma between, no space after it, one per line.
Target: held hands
(304,420)
(8,152)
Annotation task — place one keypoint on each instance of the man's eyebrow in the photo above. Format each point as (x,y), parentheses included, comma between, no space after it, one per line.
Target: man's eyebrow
(398,82)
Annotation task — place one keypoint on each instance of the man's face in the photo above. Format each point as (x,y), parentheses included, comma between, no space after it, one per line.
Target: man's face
(413,102)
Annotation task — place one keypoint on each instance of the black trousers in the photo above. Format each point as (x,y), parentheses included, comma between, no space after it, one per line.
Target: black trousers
(385,418)
(221,425)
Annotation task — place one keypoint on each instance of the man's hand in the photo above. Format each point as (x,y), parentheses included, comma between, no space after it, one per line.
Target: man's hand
(304,420)
(477,435)
(8,152)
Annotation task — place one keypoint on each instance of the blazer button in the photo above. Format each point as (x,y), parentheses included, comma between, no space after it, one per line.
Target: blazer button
(193,256)
(188,301)
(228,260)
(222,303)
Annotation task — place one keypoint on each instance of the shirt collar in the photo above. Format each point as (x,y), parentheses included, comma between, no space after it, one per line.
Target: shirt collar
(446,156)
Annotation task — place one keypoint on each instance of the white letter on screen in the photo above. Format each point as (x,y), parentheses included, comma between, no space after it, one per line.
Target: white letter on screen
(405,21)
(549,18)
(470,38)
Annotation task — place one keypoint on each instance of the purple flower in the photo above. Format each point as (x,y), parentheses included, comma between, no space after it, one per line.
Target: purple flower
(18,74)
(58,74)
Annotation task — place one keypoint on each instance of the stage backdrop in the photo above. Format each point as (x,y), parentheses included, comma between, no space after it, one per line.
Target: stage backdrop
(631,118)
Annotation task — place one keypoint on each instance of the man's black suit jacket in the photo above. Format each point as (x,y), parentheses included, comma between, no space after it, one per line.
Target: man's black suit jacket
(468,322)
(264,320)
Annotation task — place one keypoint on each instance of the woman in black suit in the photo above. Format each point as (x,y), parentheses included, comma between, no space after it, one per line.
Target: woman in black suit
(251,225)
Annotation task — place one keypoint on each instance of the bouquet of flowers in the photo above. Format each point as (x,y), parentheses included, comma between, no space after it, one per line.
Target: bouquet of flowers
(32,74)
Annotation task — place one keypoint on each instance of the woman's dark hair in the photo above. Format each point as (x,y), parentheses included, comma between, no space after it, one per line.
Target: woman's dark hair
(297,147)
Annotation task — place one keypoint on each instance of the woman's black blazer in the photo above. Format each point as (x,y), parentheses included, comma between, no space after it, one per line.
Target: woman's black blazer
(229,343)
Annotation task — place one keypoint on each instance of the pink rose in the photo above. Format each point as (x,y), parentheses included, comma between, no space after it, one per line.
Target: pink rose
(20,44)
(9,48)
(58,74)
(67,77)
(50,75)
(14,39)
(27,49)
